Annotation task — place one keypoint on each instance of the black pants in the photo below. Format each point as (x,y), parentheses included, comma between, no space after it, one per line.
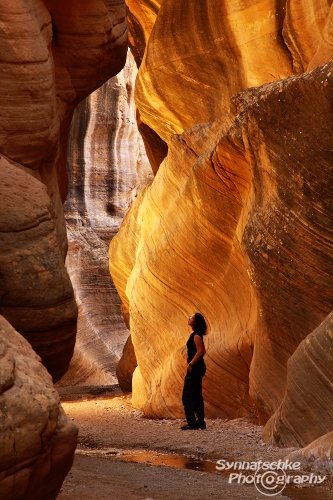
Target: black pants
(192,395)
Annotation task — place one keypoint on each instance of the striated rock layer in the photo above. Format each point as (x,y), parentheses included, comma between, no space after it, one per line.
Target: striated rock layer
(196,57)
(141,17)
(317,456)
(309,392)
(36,295)
(201,54)
(37,439)
(237,225)
(107,167)
(52,55)
(307,32)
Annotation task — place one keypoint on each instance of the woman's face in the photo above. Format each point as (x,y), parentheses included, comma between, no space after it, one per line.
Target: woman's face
(191,321)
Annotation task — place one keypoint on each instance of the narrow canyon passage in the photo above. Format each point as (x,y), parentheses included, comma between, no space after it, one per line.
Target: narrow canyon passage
(231,218)
(107,167)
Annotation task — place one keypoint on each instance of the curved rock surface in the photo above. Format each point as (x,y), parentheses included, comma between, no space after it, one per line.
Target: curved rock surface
(199,55)
(306,412)
(317,456)
(237,225)
(141,17)
(324,52)
(196,59)
(36,294)
(307,33)
(107,167)
(53,54)
(37,439)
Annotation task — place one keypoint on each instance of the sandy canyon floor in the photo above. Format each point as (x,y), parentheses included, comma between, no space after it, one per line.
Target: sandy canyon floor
(123,456)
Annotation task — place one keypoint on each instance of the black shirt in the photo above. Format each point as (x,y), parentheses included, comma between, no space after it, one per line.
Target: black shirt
(192,348)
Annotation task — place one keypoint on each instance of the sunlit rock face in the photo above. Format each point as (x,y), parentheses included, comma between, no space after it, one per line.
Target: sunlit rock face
(49,54)
(298,421)
(141,17)
(188,79)
(37,439)
(107,167)
(185,79)
(307,32)
(237,225)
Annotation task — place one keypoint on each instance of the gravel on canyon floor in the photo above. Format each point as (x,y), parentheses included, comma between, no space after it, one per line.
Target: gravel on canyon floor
(122,455)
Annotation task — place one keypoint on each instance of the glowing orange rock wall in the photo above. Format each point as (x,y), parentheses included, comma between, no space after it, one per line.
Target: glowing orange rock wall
(307,33)
(237,223)
(189,79)
(141,17)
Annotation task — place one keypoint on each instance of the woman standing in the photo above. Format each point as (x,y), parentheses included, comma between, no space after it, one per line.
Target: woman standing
(192,392)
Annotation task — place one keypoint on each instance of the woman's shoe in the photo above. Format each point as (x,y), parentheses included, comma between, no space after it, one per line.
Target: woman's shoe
(201,425)
(189,427)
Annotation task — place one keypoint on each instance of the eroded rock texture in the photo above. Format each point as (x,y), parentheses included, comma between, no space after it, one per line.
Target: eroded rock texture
(200,54)
(107,167)
(37,439)
(309,392)
(237,225)
(307,32)
(52,55)
(141,17)
(36,295)
(317,456)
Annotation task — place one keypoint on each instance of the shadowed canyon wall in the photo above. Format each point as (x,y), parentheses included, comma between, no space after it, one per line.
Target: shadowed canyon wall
(107,167)
(309,379)
(52,55)
(238,221)
(36,293)
(37,439)
(49,54)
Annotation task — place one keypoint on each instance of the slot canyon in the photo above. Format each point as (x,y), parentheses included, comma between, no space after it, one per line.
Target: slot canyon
(158,158)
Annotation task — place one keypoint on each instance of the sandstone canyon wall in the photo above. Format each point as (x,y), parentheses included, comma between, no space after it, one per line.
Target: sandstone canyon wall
(37,439)
(107,167)
(53,54)
(238,221)
(36,293)
(308,381)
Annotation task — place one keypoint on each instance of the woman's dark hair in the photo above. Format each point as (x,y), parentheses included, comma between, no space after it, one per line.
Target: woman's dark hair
(200,324)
